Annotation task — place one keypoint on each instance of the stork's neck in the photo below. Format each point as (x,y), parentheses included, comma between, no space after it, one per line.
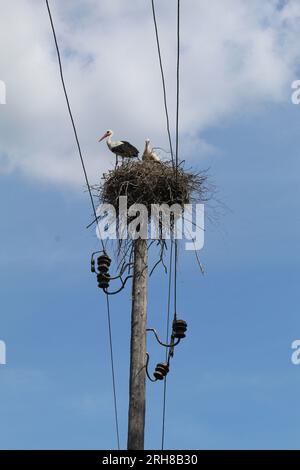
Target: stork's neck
(147,147)
(109,141)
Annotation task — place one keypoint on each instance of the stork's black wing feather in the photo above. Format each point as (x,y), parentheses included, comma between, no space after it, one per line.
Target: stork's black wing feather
(128,148)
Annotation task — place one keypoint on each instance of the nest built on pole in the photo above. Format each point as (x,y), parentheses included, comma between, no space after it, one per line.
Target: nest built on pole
(147,183)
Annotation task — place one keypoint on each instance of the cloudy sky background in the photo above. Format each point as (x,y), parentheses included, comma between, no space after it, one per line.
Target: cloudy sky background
(237,56)
(232,384)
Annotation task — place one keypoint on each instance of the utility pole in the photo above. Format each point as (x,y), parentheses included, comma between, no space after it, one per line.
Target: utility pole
(137,384)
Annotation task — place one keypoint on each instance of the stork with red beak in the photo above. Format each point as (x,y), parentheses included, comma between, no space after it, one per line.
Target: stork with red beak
(120,148)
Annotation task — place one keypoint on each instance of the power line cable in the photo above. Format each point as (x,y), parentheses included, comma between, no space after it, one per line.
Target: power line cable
(71,114)
(94,211)
(113,370)
(163,80)
(167,339)
(177,83)
(175,242)
(176,175)
(177,146)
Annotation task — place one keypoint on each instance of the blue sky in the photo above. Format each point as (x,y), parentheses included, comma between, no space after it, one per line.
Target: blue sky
(231,384)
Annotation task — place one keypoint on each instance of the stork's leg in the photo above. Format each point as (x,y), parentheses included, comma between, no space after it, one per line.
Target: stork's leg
(116,162)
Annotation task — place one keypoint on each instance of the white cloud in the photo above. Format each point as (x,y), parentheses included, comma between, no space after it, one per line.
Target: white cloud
(235,54)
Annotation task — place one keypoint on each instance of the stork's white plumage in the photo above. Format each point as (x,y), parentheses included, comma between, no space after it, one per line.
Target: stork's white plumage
(149,154)
(121,148)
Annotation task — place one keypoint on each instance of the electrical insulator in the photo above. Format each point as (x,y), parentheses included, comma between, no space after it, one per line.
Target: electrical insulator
(93,270)
(102,272)
(103,280)
(161,370)
(179,329)
(103,262)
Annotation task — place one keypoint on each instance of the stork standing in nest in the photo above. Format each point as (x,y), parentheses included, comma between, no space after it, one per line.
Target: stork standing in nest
(120,148)
(149,154)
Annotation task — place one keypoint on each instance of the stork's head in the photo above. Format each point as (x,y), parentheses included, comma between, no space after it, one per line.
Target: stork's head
(108,133)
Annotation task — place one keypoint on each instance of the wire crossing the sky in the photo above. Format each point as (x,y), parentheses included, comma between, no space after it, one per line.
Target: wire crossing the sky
(163,80)
(177,146)
(94,211)
(167,339)
(71,114)
(175,165)
(177,84)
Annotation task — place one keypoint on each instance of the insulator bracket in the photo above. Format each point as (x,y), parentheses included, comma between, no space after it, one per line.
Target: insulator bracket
(102,272)
(171,345)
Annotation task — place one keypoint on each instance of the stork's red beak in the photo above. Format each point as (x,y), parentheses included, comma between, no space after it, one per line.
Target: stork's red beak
(103,137)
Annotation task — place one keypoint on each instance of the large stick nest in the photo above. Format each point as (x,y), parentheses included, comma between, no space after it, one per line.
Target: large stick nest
(148,182)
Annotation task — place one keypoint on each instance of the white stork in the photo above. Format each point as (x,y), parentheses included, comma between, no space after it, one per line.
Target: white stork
(120,148)
(149,154)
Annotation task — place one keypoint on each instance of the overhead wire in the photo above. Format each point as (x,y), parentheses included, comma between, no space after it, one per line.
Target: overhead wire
(175,166)
(167,338)
(71,114)
(113,370)
(175,241)
(163,80)
(177,148)
(177,84)
(94,212)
